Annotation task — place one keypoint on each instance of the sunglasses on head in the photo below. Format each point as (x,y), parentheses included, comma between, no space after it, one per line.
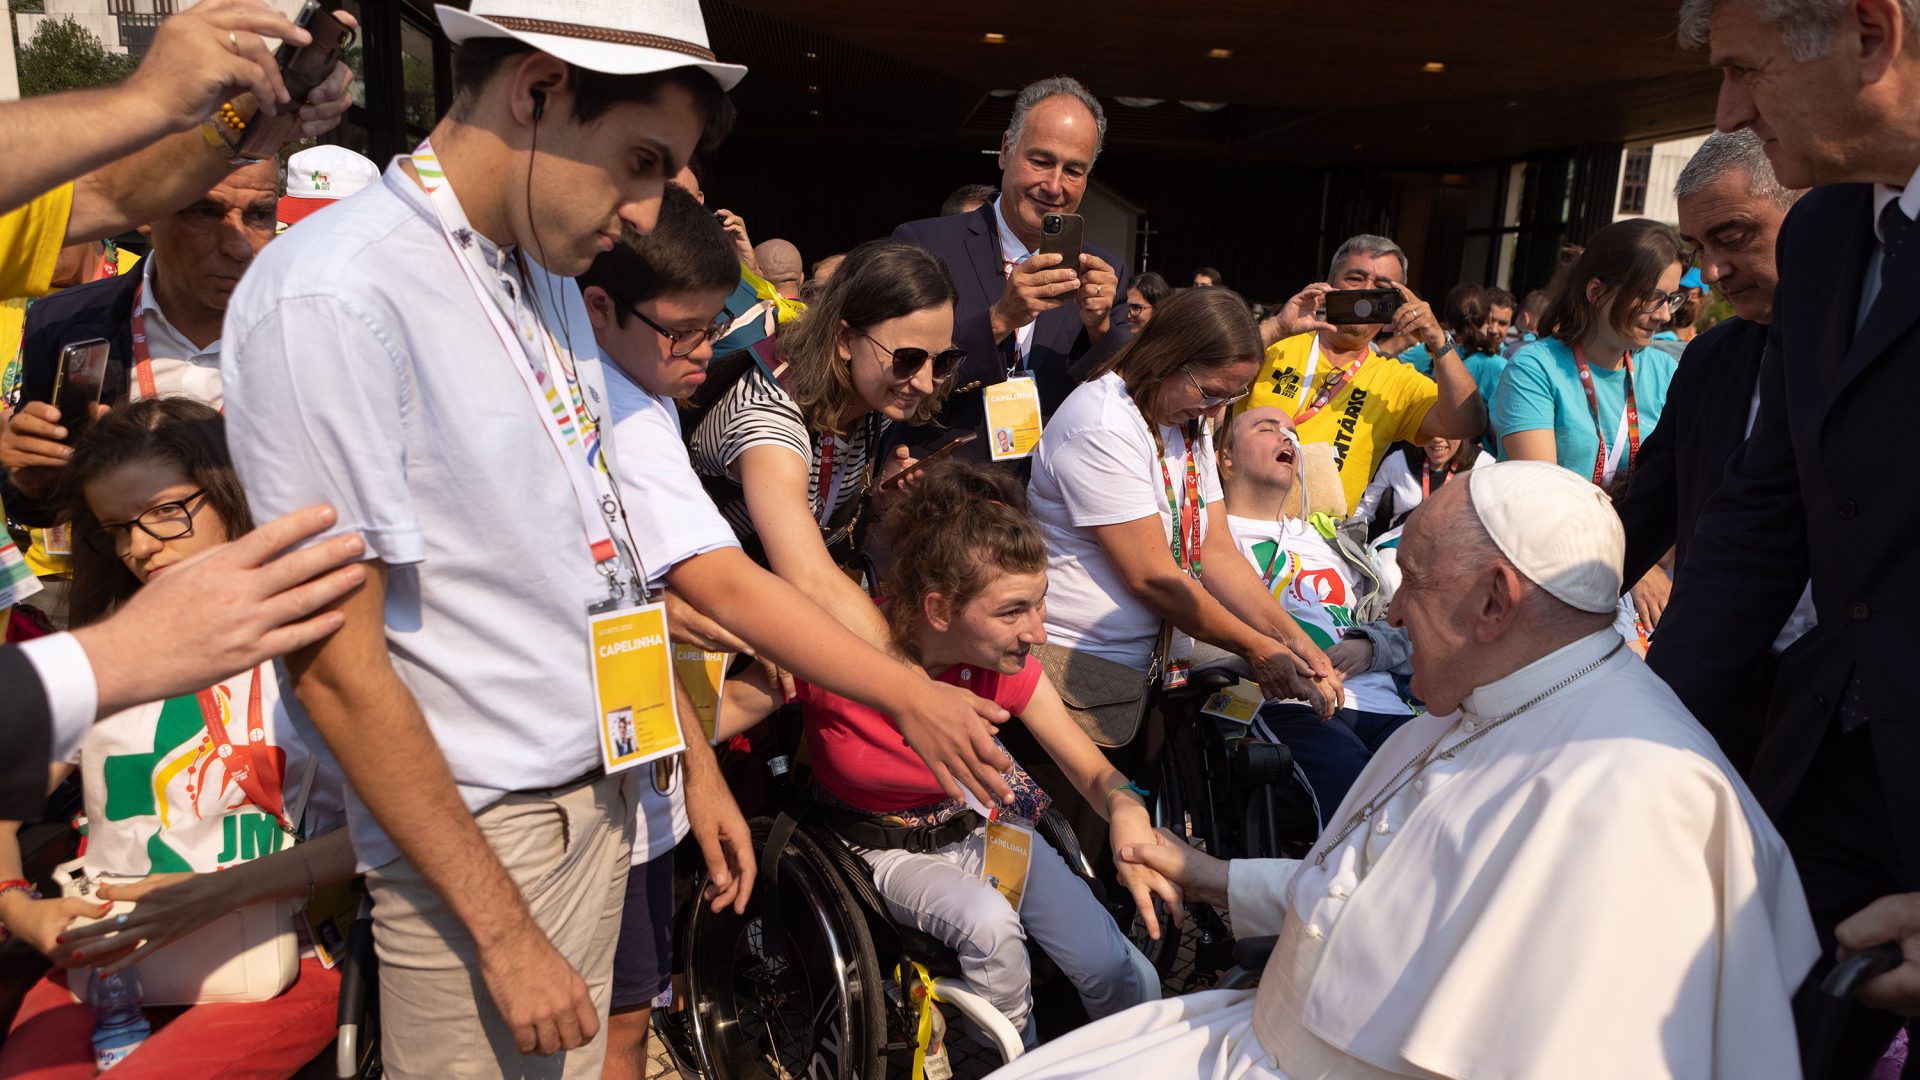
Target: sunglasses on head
(908,361)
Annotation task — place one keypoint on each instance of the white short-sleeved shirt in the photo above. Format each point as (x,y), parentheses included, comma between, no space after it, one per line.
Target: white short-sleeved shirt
(672,520)
(160,799)
(1096,465)
(1316,588)
(361,370)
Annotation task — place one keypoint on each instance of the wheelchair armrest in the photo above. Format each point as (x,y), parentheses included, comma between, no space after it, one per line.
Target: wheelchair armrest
(1845,978)
(1250,954)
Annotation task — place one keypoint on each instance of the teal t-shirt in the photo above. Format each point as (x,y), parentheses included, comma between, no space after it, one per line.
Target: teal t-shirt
(1541,391)
(1486,369)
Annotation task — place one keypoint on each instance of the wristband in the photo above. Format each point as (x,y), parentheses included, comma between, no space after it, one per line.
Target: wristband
(1128,786)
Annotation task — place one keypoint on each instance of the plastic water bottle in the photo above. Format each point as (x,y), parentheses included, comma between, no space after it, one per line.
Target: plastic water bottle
(119,1024)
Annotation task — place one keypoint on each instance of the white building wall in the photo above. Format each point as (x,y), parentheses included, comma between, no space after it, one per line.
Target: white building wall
(1668,159)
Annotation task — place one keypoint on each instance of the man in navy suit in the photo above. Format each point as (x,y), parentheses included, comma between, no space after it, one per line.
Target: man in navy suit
(1730,208)
(1834,91)
(1020,312)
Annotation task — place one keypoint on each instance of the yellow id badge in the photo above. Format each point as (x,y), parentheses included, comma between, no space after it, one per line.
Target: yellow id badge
(58,540)
(1013,418)
(1009,855)
(703,675)
(329,919)
(1238,703)
(633,686)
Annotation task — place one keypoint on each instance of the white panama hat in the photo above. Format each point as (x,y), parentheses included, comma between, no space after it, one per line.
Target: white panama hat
(613,37)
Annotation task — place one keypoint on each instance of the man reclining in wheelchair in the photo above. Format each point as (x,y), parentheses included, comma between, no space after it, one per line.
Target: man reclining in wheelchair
(966,603)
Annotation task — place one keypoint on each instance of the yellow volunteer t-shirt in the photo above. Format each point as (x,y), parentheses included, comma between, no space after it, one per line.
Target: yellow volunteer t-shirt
(1384,403)
(31,237)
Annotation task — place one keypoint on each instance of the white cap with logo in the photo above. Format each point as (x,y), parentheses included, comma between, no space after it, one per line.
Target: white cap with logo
(320,176)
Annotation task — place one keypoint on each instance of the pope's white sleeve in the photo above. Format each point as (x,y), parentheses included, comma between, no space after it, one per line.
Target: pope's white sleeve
(72,694)
(1256,895)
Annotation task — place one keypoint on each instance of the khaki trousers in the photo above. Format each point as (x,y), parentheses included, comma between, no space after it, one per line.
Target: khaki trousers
(566,848)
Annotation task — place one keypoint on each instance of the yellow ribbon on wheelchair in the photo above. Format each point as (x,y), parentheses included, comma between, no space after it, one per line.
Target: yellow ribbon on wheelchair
(923,1028)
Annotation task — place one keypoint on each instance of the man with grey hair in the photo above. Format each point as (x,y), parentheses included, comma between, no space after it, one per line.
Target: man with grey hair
(1021,314)
(1731,207)
(1337,386)
(1832,87)
(1553,872)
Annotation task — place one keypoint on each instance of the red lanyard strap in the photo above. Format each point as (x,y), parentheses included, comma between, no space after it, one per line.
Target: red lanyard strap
(1332,387)
(1601,476)
(257,774)
(1185,541)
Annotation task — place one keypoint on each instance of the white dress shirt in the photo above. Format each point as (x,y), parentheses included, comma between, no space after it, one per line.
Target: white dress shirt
(180,368)
(1909,198)
(73,697)
(1015,252)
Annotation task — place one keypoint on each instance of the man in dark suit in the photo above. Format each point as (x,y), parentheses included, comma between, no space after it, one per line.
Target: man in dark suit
(1020,312)
(222,611)
(1730,208)
(1835,92)
(181,289)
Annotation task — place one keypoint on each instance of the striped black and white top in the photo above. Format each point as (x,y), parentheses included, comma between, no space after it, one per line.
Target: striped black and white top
(756,411)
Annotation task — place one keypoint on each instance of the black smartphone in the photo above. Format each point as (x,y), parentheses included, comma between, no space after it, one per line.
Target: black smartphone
(77,384)
(894,481)
(1061,234)
(302,68)
(1362,307)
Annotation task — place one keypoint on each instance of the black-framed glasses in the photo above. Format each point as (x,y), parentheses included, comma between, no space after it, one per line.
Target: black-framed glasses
(170,520)
(1670,301)
(1139,309)
(908,361)
(682,343)
(1211,401)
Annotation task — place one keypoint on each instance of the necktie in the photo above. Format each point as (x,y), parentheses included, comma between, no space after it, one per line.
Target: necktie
(1895,226)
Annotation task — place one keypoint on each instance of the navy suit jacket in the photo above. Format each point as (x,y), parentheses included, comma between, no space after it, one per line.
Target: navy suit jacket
(98,309)
(1682,461)
(1063,351)
(1817,490)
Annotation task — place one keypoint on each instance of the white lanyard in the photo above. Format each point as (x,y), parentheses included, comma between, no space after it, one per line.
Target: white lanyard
(571,430)
(1306,377)
(1620,441)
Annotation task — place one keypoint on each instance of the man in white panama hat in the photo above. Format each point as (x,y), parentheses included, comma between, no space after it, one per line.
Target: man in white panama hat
(424,363)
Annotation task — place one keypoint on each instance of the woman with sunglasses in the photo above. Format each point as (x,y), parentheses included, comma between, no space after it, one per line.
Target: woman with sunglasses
(175,790)
(1128,497)
(1590,390)
(792,455)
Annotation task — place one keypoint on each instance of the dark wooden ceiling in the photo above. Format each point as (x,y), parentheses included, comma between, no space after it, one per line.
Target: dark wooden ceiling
(1307,83)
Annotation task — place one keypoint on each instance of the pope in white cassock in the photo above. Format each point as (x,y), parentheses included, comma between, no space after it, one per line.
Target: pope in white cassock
(1554,873)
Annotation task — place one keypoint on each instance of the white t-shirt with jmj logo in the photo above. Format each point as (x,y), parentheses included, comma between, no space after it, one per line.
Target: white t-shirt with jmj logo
(159,797)
(1315,586)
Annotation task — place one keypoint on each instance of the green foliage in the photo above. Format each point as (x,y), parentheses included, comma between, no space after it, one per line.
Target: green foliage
(66,56)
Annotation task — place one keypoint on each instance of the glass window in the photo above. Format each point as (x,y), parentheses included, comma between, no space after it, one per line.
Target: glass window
(416,74)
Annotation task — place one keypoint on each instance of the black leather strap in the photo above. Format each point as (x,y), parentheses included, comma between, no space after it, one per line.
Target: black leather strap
(873,832)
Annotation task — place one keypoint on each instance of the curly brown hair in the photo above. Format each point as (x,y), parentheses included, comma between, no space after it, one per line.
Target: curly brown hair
(957,528)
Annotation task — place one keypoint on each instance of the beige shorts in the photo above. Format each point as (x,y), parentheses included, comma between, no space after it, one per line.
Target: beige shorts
(566,849)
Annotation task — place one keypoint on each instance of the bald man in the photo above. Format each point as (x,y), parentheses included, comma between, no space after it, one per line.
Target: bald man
(1562,877)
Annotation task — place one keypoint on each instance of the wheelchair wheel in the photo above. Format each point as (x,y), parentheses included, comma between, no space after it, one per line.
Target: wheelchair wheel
(795,991)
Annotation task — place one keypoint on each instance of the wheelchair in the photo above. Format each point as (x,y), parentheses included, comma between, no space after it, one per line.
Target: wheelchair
(1231,795)
(817,979)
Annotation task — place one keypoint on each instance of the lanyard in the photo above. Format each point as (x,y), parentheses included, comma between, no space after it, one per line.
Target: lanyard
(829,483)
(1185,541)
(1606,464)
(1426,472)
(574,432)
(258,776)
(1334,384)
(142,359)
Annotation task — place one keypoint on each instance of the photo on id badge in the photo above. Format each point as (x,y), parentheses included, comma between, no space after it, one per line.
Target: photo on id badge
(634,687)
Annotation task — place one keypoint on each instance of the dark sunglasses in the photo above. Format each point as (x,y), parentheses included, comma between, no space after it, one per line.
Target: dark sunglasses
(168,521)
(681,343)
(908,361)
